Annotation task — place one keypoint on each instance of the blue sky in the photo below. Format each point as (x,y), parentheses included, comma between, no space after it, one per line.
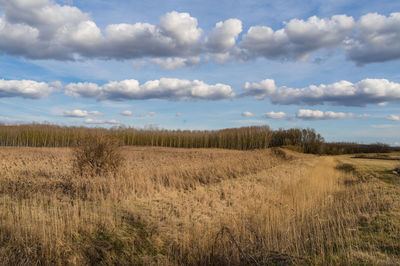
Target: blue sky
(328,65)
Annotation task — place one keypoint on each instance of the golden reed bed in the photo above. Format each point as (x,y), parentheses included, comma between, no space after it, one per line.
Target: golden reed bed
(184,206)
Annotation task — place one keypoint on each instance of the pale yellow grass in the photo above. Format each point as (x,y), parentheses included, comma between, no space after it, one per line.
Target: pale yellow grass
(284,210)
(176,206)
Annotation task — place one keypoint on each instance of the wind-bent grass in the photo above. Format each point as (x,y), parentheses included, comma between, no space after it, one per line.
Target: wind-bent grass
(194,207)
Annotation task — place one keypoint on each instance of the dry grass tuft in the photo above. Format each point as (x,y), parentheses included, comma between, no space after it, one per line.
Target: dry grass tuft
(98,155)
(346,167)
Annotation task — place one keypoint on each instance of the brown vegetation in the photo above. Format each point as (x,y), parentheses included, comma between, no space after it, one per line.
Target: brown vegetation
(378,156)
(245,138)
(194,207)
(351,148)
(97,155)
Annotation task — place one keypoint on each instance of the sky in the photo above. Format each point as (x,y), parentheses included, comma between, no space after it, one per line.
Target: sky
(328,65)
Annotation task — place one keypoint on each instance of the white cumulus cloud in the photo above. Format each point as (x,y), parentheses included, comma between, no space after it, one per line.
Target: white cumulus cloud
(26,88)
(171,63)
(165,88)
(367,91)
(45,29)
(393,117)
(307,114)
(298,38)
(274,115)
(223,37)
(247,114)
(126,113)
(149,114)
(377,39)
(176,34)
(81,113)
(101,122)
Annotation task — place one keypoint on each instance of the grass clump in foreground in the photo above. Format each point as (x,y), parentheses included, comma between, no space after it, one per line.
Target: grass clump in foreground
(122,243)
(129,244)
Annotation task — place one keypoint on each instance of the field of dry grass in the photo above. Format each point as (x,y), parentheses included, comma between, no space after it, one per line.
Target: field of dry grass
(197,207)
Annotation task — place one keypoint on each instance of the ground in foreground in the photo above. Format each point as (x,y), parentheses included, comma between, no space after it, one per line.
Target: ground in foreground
(199,207)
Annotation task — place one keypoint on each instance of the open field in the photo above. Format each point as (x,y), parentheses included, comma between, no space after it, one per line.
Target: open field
(199,207)
(380,156)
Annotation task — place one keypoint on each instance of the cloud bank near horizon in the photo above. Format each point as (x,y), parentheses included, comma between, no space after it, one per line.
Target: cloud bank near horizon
(341,93)
(306,114)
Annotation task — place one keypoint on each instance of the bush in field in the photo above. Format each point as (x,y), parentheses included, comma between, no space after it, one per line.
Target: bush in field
(346,167)
(97,155)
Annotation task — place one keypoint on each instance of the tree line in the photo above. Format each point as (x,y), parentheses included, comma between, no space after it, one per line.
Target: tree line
(244,138)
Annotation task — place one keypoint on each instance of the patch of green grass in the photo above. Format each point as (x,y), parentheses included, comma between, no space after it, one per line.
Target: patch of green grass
(378,156)
(389,176)
(366,169)
(381,233)
(129,244)
(377,239)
